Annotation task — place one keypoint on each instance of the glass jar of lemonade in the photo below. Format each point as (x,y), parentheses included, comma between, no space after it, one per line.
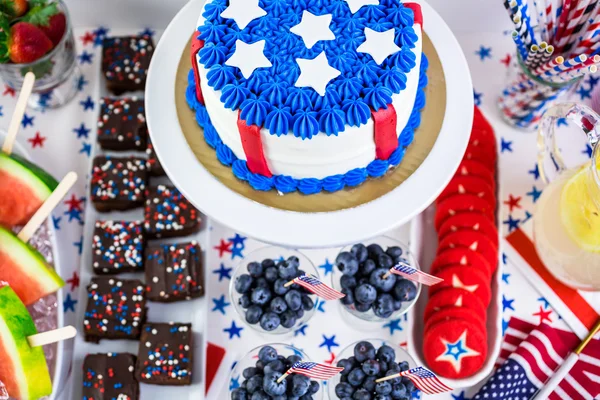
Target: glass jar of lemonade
(567,215)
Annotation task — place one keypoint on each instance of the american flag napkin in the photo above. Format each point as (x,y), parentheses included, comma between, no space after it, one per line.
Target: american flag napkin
(531,353)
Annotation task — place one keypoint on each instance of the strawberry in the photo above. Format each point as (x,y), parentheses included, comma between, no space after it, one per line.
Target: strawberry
(27,43)
(56,27)
(14,8)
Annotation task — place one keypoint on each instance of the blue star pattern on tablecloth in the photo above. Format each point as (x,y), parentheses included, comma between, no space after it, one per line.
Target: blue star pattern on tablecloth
(562,122)
(85,57)
(82,131)
(56,222)
(528,216)
(504,326)
(99,35)
(507,303)
(544,302)
(220,304)
(238,241)
(86,149)
(321,305)
(505,145)
(477,97)
(81,82)
(504,258)
(592,81)
(79,245)
(535,194)
(393,325)
(512,223)
(234,330)
(236,252)
(588,151)
(74,214)
(535,172)
(87,104)
(329,342)
(27,120)
(301,330)
(327,267)
(234,383)
(69,303)
(505,277)
(584,93)
(223,272)
(484,52)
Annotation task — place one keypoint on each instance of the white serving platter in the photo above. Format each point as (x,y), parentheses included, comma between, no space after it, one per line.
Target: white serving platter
(310,230)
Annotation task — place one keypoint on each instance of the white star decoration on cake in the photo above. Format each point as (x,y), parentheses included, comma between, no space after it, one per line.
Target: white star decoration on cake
(456,351)
(249,57)
(243,12)
(380,45)
(316,73)
(356,5)
(313,28)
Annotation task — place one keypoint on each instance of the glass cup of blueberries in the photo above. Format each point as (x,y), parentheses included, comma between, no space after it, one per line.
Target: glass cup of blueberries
(255,376)
(360,273)
(366,361)
(260,296)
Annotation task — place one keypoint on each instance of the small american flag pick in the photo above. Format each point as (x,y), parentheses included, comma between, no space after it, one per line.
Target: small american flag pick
(317,287)
(314,371)
(425,381)
(413,274)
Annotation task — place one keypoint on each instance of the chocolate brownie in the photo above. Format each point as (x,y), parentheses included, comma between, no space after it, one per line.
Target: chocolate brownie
(165,354)
(125,62)
(168,213)
(154,165)
(174,272)
(116,309)
(110,376)
(117,246)
(122,124)
(118,183)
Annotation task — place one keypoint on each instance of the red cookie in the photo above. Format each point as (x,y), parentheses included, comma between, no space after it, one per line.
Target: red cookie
(473,240)
(482,129)
(464,277)
(469,221)
(469,185)
(475,168)
(461,256)
(451,313)
(455,349)
(484,155)
(454,297)
(462,203)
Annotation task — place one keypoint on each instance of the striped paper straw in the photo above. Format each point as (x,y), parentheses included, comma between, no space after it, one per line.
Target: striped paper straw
(520,45)
(562,20)
(572,23)
(533,50)
(541,16)
(568,64)
(581,26)
(548,66)
(549,20)
(588,36)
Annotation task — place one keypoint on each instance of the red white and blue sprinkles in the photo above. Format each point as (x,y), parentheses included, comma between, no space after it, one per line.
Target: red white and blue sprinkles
(117,246)
(127,59)
(168,213)
(119,179)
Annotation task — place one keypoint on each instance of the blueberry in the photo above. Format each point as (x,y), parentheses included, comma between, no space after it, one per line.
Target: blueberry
(278,305)
(267,354)
(380,281)
(393,367)
(255,383)
(307,302)
(365,294)
(369,383)
(270,385)
(239,394)
(269,321)
(362,280)
(293,300)
(347,263)
(260,365)
(386,353)
(385,261)
(293,359)
(274,366)
(349,298)
(371,367)
(267,262)
(364,351)
(398,390)
(374,250)
(288,319)
(314,387)
(253,314)
(271,274)
(403,366)
(394,251)
(300,385)
(384,305)
(383,388)
(361,394)
(279,288)
(260,395)
(250,372)
(294,261)
(383,365)
(397,305)
(348,282)
(367,267)
(261,296)
(243,283)
(362,307)
(390,372)
(343,390)
(360,252)
(299,313)
(255,269)
(245,301)
(301,272)
(356,377)
(347,364)
(287,271)
(410,387)
(262,282)
(405,290)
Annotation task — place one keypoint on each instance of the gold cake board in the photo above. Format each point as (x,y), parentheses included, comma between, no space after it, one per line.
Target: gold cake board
(425,137)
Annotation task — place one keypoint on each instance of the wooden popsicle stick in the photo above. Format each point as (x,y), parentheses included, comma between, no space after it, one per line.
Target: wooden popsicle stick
(44,211)
(57,335)
(17,117)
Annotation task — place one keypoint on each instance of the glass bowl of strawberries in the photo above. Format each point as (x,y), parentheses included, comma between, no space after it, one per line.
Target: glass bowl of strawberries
(37,36)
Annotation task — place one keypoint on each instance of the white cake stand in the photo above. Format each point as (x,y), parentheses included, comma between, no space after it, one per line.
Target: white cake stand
(296,229)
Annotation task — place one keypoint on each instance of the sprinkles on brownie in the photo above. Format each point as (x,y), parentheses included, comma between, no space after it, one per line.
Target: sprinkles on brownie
(117,246)
(122,124)
(110,376)
(116,309)
(168,213)
(118,183)
(125,62)
(165,354)
(154,165)
(174,272)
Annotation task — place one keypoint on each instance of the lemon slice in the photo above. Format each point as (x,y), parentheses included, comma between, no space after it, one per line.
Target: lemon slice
(579,213)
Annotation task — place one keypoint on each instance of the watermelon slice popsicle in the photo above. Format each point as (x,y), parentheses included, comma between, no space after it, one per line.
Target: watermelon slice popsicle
(23,368)
(23,185)
(22,266)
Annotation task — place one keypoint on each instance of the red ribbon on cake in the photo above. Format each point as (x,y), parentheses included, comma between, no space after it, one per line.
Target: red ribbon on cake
(197,45)
(253,148)
(386,140)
